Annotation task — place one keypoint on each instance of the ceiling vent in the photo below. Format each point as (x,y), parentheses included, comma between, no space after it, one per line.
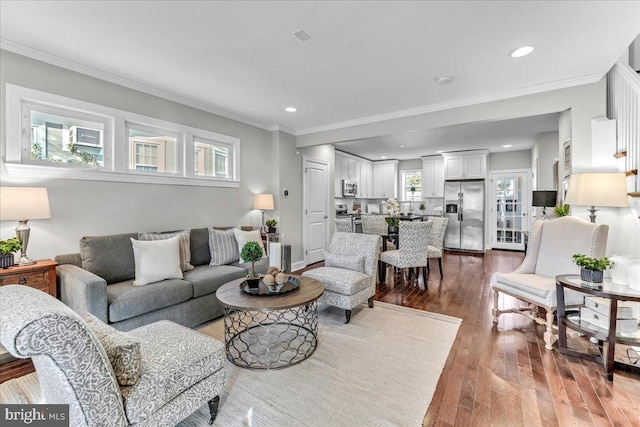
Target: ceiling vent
(301,35)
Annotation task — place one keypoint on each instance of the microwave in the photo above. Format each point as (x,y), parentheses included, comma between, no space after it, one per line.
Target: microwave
(349,188)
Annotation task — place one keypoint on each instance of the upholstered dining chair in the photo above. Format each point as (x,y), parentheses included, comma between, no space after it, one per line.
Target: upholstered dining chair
(376,224)
(343,224)
(551,247)
(157,374)
(436,241)
(414,246)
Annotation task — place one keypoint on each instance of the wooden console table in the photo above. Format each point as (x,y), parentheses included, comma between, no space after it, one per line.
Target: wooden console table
(41,275)
(571,319)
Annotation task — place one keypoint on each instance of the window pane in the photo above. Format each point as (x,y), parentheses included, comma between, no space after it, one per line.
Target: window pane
(153,152)
(411,185)
(60,139)
(211,160)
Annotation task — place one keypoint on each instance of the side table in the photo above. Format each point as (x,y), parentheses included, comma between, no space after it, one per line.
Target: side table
(41,275)
(571,319)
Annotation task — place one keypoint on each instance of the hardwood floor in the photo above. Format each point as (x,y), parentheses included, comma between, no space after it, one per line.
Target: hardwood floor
(501,374)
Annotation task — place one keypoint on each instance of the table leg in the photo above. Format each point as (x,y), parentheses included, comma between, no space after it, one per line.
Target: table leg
(562,329)
(611,345)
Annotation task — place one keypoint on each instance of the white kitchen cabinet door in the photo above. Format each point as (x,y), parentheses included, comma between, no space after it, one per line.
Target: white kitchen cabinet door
(366,173)
(390,186)
(357,177)
(433,177)
(378,179)
(453,167)
(475,166)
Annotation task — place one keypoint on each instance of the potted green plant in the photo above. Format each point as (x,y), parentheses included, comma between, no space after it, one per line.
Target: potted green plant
(592,269)
(271,223)
(422,207)
(561,210)
(7,248)
(252,252)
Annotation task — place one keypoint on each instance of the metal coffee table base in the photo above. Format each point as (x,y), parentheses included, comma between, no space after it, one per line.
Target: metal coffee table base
(271,339)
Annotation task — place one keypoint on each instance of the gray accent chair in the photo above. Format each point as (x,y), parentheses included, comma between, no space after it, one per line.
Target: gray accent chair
(413,240)
(345,287)
(180,369)
(551,247)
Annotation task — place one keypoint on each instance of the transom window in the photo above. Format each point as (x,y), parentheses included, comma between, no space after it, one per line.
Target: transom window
(51,136)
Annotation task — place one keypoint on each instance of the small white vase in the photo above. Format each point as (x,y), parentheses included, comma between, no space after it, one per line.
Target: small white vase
(633,275)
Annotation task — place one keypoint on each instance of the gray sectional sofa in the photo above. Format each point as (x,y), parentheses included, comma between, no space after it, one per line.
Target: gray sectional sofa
(104,287)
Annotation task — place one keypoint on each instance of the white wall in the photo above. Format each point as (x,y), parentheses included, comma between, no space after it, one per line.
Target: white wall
(520,159)
(80,208)
(545,151)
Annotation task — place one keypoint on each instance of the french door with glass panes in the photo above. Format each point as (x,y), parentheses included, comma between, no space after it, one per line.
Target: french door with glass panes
(509,209)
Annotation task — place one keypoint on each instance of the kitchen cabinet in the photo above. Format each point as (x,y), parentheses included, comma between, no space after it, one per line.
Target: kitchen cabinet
(433,176)
(465,165)
(385,179)
(353,169)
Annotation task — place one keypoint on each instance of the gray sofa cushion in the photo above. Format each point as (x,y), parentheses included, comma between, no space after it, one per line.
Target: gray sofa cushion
(127,301)
(200,246)
(207,279)
(110,257)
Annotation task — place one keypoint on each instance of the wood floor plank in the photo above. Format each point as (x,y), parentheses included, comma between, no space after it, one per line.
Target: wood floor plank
(501,374)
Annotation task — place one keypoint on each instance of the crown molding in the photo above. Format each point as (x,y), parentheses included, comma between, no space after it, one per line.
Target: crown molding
(466,102)
(78,67)
(275,128)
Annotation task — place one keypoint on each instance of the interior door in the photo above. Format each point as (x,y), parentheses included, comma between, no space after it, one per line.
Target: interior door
(509,210)
(316,210)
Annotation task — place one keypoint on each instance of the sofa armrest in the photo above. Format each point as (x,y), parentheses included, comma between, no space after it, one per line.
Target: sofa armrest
(82,290)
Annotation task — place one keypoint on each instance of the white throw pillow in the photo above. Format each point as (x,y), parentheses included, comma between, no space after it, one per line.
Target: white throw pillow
(156,260)
(621,264)
(247,236)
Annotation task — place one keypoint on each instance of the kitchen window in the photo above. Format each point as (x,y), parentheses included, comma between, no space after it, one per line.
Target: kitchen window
(411,185)
(51,136)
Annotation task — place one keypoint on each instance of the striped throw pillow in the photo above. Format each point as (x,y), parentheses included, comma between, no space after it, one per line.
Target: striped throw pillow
(222,246)
(184,239)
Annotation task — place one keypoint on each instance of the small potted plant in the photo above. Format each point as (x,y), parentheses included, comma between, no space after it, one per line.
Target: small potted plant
(7,248)
(271,223)
(592,269)
(252,252)
(561,210)
(422,207)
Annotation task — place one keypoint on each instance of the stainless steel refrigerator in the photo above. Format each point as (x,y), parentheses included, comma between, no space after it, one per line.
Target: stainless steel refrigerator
(464,206)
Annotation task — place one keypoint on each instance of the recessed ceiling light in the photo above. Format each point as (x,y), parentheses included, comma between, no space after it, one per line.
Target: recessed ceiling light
(443,80)
(521,51)
(506,146)
(440,151)
(383,157)
(301,35)
(402,146)
(291,109)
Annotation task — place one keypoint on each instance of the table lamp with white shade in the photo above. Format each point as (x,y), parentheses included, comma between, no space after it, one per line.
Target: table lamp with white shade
(264,202)
(22,204)
(597,189)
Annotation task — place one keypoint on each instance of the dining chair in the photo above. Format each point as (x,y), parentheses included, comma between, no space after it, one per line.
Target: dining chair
(413,251)
(343,224)
(376,224)
(436,241)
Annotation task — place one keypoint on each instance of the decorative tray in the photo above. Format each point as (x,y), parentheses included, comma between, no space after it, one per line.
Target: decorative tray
(290,285)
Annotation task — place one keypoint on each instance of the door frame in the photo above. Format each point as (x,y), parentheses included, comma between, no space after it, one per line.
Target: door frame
(305,198)
(526,210)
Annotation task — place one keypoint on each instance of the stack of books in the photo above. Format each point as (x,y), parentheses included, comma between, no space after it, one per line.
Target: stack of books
(596,311)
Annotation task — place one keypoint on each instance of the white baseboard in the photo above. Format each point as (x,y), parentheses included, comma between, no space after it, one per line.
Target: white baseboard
(298,265)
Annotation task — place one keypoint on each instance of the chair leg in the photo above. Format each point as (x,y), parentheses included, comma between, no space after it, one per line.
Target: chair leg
(371,302)
(440,265)
(549,336)
(495,312)
(348,315)
(213,408)
(425,277)
(403,278)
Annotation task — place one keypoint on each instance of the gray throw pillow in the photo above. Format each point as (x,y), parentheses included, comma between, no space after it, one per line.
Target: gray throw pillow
(110,257)
(223,246)
(350,262)
(123,351)
(184,238)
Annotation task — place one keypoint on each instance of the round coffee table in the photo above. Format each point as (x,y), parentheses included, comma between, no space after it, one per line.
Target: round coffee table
(270,331)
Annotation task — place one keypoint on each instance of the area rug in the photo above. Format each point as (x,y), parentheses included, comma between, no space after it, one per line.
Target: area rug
(379,370)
